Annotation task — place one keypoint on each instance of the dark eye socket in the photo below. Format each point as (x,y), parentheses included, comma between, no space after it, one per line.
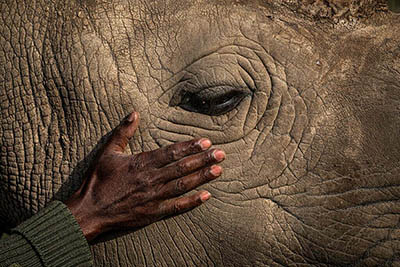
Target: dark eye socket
(211,105)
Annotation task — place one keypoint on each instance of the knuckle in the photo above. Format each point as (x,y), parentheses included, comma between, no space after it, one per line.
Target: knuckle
(181,168)
(153,180)
(205,174)
(171,153)
(194,146)
(160,175)
(180,186)
(143,183)
(177,207)
(153,194)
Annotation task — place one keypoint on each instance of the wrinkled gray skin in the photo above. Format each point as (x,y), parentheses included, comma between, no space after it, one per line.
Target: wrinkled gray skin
(312,168)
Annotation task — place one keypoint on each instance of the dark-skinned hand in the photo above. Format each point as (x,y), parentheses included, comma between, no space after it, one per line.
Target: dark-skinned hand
(124,191)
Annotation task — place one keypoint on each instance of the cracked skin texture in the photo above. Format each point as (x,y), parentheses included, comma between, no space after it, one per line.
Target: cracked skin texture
(312,169)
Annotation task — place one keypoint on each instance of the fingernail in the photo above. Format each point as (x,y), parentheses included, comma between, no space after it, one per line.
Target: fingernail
(215,170)
(132,117)
(205,196)
(205,144)
(219,155)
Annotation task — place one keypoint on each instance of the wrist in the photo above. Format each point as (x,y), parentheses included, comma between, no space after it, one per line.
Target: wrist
(90,225)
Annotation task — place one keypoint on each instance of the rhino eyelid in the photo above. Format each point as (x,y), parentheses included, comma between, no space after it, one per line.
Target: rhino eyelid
(211,104)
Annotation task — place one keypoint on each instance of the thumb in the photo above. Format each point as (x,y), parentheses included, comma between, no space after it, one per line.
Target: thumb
(121,135)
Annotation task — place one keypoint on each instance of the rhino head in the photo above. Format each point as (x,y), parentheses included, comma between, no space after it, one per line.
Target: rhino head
(304,99)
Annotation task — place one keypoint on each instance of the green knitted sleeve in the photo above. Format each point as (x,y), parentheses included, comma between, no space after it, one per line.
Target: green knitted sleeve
(50,238)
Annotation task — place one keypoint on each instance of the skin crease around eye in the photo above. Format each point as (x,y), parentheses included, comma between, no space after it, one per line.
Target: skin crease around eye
(211,105)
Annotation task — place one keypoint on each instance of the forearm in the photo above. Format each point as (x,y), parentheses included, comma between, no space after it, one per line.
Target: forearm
(50,238)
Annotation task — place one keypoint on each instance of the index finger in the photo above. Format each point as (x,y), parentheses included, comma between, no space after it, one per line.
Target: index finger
(171,153)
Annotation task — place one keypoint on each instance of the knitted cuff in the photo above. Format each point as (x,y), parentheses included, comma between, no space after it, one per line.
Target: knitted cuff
(56,237)
(15,250)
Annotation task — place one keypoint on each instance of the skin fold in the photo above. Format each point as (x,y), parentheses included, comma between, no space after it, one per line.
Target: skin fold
(305,103)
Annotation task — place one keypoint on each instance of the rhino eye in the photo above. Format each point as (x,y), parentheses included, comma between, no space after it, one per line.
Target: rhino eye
(212,105)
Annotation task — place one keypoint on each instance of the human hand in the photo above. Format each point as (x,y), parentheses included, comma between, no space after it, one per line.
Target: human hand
(125,191)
